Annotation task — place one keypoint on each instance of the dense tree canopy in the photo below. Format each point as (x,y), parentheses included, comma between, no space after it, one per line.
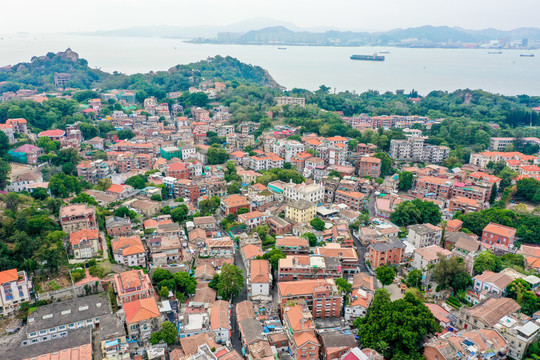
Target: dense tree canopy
(398,328)
(416,212)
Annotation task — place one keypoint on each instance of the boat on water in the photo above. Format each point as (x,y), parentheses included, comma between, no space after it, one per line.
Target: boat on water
(494,52)
(384,52)
(526,55)
(282,48)
(373,57)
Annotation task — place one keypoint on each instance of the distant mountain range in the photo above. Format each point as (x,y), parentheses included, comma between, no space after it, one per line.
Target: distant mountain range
(270,31)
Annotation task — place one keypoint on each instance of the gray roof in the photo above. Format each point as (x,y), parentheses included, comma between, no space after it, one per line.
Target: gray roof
(253,330)
(421,229)
(392,244)
(111,327)
(453,237)
(336,339)
(117,221)
(76,337)
(69,311)
(301,204)
(280,221)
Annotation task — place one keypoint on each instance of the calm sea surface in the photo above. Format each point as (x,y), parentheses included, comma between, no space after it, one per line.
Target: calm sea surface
(303,67)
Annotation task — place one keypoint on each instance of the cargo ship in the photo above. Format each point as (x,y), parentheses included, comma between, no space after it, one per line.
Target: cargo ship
(494,52)
(373,57)
(526,55)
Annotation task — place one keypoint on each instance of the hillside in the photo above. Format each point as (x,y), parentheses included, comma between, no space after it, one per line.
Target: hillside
(39,74)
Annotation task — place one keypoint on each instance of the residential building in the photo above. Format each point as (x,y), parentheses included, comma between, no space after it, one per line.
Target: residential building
(300,211)
(132,285)
(85,243)
(142,318)
(347,256)
(260,280)
(293,245)
(207,223)
(129,251)
(491,283)
(357,304)
(77,217)
(15,289)
(486,314)
(469,344)
(278,226)
(321,296)
(465,205)
(335,343)
(429,255)
(422,235)
(414,149)
(233,203)
(309,192)
(118,226)
(369,166)
(55,320)
(220,321)
(353,199)
(26,154)
(252,219)
(498,234)
(386,253)
(289,100)
(313,266)
(434,185)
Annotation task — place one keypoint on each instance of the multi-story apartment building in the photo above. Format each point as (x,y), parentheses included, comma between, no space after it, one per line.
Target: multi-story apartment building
(93,171)
(353,199)
(386,253)
(414,149)
(77,217)
(85,243)
(288,149)
(289,100)
(320,295)
(303,267)
(494,234)
(422,235)
(132,285)
(369,166)
(309,192)
(142,318)
(129,251)
(434,185)
(293,245)
(15,289)
(300,211)
(347,256)
(252,219)
(55,320)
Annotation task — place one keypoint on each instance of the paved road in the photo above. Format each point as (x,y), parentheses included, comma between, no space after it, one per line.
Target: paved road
(371,205)
(235,335)
(360,249)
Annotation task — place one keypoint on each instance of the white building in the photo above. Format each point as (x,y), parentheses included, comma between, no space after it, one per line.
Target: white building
(288,149)
(429,255)
(358,304)
(312,192)
(260,280)
(422,235)
(15,288)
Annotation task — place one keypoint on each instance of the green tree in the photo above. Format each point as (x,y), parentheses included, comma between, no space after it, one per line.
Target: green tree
(156,197)
(164,292)
(486,260)
(83,198)
(386,163)
(125,134)
(5,169)
(414,279)
(231,281)
(63,185)
(155,338)
(216,156)
(396,329)
(160,275)
(335,173)
(169,333)
(406,180)
(137,181)
(311,238)
(416,212)
(343,285)
(179,214)
(451,272)
(317,224)
(104,184)
(185,283)
(520,291)
(125,211)
(39,193)
(273,257)
(385,274)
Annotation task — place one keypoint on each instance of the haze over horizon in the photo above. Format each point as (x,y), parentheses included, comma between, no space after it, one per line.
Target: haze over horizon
(61,16)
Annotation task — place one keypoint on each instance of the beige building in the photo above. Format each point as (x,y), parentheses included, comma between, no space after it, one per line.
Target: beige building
(77,217)
(301,211)
(289,100)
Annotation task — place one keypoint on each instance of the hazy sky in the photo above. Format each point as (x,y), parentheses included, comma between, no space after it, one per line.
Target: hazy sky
(78,15)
